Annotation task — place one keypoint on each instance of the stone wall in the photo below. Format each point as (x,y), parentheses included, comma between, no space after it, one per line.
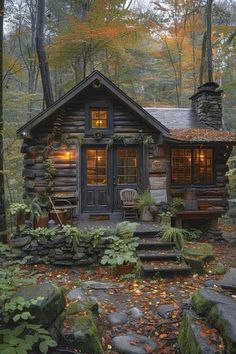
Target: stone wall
(58,251)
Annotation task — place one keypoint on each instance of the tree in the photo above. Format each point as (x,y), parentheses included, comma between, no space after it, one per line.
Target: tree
(42,57)
(206,60)
(3,235)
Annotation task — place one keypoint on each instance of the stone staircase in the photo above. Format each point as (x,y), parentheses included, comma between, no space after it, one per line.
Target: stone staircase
(159,257)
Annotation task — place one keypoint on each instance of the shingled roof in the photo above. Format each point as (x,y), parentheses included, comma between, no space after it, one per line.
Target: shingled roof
(185,126)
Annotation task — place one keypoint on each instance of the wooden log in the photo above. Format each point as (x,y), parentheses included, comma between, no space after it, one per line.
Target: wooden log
(28,173)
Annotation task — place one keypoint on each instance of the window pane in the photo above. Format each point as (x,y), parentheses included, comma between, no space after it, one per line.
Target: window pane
(98,118)
(96,166)
(181,161)
(191,166)
(126,166)
(203,172)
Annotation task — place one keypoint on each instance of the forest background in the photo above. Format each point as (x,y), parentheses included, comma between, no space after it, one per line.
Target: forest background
(150,49)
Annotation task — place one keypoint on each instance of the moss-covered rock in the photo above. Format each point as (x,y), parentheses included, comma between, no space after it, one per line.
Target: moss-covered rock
(216,268)
(82,306)
(204,299)
(224,318)
(82,333)
(196,254)
(50,305)
(189,339)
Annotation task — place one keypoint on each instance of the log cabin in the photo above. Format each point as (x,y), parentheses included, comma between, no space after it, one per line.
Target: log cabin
(95,141)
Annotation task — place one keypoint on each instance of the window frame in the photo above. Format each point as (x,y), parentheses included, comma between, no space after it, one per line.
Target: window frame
(88,121)
(212,183)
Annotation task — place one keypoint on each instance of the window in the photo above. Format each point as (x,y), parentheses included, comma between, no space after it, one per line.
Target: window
(126,165)
(96,162)
(98,118)
(191,166)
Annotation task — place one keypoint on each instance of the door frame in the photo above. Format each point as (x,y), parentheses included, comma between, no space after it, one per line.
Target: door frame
(142,173)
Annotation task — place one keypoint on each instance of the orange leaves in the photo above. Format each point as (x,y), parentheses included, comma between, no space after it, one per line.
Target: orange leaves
(198,134)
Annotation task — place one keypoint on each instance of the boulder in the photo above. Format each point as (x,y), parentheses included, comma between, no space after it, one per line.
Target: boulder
(117,318)
(133,344)
(229,280)
(223,317)
(77,294)
(204,299)
(49,307)
(165,309)
(82,334)
(82,306)
(135,312)
(190,339)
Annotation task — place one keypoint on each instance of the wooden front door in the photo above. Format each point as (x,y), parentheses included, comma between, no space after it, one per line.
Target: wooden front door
(96,185)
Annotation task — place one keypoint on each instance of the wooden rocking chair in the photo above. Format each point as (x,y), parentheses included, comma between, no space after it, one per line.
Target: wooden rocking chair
(128,197)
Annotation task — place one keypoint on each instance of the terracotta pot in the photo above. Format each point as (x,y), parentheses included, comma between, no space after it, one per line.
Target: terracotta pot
(124,269)
(40,221)
(62,216)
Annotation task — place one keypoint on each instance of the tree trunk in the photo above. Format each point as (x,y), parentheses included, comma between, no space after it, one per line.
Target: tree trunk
(203,60)
(42,58)
(3,232)
(208,40)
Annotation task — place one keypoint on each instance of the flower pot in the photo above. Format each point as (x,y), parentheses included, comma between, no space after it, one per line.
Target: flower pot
(123,269)
(145,214)
(40,221)
(59,216)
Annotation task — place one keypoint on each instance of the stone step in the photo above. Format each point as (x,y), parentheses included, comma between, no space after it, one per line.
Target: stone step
(165,268)
(146,234)
(155,243)
(164,254)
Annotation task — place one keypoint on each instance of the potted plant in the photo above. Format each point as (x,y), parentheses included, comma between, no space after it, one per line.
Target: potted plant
(177,205)
(144,202)
(19,210)
(39,215)
(121,252)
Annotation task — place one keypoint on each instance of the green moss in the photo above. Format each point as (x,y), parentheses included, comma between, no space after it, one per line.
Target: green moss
(81,306)
(200,304)
(196,254)
(86,337)
(216,268)
(186,338)
(222,326)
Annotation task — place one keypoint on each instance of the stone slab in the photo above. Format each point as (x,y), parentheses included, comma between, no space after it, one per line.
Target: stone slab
(133,344)
(229,280)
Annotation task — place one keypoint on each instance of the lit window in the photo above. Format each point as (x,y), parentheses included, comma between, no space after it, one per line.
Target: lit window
(96,166)
(98,118)
(191,166)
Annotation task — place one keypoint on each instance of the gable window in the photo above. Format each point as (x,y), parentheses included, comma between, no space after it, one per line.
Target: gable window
(98,118)
(191,166)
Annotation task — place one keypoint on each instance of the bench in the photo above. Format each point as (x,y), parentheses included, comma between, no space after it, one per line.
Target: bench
(210,214)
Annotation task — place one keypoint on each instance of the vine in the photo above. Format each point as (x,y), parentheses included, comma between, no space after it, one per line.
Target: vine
(133,139)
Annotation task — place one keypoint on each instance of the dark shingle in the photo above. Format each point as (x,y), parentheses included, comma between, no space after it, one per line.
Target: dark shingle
(174,118)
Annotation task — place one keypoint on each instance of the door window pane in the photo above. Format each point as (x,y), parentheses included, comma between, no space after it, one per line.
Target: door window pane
(98,118)
(96,164)
(126,165)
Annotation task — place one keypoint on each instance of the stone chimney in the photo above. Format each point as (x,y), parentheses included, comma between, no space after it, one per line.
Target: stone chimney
(207,103)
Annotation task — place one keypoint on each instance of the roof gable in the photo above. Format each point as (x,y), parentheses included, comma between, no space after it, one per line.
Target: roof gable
(96,75)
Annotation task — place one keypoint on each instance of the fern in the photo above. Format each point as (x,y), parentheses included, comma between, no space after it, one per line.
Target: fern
(174,234)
